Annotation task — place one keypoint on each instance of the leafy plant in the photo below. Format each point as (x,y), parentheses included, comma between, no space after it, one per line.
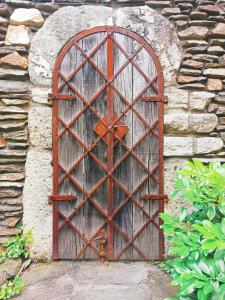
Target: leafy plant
(12,288)
(17,246)
(197,235)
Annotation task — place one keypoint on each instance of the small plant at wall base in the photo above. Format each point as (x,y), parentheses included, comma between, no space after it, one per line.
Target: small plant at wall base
(197,236)
(17,246)
(12,288)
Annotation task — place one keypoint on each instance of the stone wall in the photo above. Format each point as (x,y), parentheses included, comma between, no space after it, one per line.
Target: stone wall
(194,116)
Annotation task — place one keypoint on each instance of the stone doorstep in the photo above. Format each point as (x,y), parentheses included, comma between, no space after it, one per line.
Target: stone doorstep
(91,280)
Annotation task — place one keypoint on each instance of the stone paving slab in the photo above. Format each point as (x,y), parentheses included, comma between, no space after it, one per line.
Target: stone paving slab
(93,281)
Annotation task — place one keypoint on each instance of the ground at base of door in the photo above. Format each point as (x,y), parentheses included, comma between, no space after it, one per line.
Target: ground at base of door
(67,280)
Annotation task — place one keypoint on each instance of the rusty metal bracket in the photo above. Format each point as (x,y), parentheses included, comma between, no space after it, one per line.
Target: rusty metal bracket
(64,97)
(155,197)
(60,198)
(155,99)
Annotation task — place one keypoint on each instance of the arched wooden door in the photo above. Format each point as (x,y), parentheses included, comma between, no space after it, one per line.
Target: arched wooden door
(107,147)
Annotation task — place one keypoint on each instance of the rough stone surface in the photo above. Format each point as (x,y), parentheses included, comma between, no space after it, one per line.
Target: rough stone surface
(40,95)
(188,146)
(17,35)
(178,146)
(177,98)
(214,85)
(68,21)
(199,100)
(10,222)
(15,60)
(219,30)
(190,123)
(217,73)
(88,281)
(202,123)
(8,269)
(194,32)
(207,145)
(27,17)
(40,127)
(10,87)
(176,123)
(11,177)
(37,212)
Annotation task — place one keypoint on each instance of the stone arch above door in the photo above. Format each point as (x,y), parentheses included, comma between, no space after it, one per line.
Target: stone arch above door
(69,21)
(45,46)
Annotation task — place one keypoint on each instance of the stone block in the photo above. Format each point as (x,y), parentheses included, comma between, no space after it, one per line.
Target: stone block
(40,95)
(27,16)
(40,127)
(9,222)
(2,142)
(14,60)
(13,74)
(178,146)
(10,87)
(216,50)
(17,35)
(37,212)
(214,85)
(9,231)
(11,177)
(207,145)
(192,64)
(194,32)
(177,98)
(202,123)
(190,123)
(218,31)
(215,73)
(176,123)
(199,100)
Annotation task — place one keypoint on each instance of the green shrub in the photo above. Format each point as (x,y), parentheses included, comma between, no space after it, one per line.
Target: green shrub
(17,246)
(12,288)
(197,235)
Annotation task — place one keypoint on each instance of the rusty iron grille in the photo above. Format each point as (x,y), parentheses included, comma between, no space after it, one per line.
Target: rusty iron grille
(107,148)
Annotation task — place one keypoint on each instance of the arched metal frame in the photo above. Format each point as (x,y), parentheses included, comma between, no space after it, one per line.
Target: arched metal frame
(56,96)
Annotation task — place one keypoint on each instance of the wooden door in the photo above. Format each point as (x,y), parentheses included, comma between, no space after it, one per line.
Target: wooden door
(107,148)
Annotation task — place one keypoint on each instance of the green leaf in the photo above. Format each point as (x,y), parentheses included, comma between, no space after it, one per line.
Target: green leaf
(208,288)
(211,213)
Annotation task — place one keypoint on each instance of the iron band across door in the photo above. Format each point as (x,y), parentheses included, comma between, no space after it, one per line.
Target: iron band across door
(60,198)
(65,97)
(108,101)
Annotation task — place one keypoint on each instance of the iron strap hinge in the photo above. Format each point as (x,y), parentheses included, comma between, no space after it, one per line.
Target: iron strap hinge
(155,99)
(60,198)
(155,197)
(65,97)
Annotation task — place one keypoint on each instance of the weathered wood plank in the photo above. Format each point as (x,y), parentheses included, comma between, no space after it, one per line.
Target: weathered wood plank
(69,152)
(93,173)
(124,218)
(147,151)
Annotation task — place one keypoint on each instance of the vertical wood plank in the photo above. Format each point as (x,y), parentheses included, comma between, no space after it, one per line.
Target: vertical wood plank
(147,151)
(93,173)
(124,218)
(69,152)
